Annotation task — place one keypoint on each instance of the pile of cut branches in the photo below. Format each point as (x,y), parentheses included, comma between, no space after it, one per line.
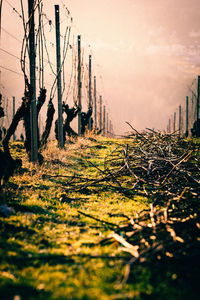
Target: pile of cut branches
(147,163)
(166,170)
(167,234)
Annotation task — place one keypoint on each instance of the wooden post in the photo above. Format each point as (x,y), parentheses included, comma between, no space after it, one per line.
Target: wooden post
(107,124)
(100,113)
(90,90)
(192,109)
(58,59)
(179,127)
(79,85)
(95,105)
(104,120)
(32,56)
(14,136)
(169,125)
(174,121)
(187,117)
(198,96)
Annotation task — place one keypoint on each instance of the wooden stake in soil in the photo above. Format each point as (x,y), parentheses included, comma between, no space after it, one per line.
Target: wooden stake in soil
(14,137)
(90,91)
(79,85)
(60,119)
(179,128)
(32,56)
(174,121)
(95,105)
(100,114)
(187,117)
(198,96)
(104,120)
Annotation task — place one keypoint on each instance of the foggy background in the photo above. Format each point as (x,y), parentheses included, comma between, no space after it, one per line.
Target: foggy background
(145,55)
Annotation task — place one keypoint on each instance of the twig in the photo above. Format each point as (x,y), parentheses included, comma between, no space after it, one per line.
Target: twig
(99,220)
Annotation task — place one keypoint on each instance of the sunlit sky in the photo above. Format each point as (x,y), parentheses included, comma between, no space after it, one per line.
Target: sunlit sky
(145,53)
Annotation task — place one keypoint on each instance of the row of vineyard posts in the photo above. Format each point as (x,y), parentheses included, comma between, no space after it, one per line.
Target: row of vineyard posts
(186,121)
(96,119)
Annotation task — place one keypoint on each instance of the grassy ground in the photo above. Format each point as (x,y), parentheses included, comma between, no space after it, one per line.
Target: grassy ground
(48,250)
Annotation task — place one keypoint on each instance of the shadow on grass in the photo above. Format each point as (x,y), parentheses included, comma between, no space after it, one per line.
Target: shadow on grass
(35,209)
(6,228)
(10,290)
(28,260)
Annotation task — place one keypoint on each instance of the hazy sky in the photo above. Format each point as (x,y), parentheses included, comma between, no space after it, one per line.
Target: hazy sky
(145,53)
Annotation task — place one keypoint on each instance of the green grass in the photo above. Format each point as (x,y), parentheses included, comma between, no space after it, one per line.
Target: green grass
(48,249)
